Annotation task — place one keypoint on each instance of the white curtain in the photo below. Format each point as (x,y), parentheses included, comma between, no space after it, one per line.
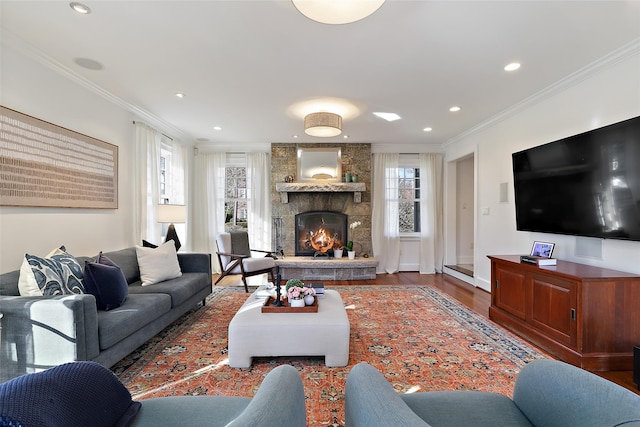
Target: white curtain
(259,200)
(385,227)
(178,188)
(208,203)
(146,184)
(431,231)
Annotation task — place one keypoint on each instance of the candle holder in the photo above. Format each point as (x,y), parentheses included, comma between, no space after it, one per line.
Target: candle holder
(278,301)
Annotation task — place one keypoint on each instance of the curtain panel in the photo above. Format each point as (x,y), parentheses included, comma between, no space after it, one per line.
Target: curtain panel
(431,230)
(259,200)
(146,183)
(208,203)
(385,228)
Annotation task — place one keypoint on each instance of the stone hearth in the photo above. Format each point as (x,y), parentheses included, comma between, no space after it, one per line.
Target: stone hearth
(309,268)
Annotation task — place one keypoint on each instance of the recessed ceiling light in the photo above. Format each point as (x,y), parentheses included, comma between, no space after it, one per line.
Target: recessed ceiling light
(295,136)
(454,109)
(89,64)
(427,129)
(80,8)
(390,117)
(512,67)
(180,95)
(217,128)
(345,136)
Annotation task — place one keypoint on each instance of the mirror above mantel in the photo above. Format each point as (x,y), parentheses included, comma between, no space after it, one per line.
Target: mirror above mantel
(319,164)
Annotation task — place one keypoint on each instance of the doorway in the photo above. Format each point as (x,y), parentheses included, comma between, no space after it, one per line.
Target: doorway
(461,208)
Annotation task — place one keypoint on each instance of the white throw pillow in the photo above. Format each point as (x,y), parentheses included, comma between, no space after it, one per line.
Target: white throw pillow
(158,264)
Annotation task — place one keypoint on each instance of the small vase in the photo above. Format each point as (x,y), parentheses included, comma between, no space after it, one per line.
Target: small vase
(297,303)
(337,253)
(352,254)
(309,299)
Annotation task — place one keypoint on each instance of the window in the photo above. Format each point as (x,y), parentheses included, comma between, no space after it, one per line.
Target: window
(235,202)
(165,175)
(409,199)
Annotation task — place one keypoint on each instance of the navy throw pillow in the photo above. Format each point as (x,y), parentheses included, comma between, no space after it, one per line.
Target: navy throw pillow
(105,280)
(146,244)
(76,394)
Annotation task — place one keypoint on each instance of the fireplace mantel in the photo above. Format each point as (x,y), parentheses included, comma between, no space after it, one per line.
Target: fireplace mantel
(284,188)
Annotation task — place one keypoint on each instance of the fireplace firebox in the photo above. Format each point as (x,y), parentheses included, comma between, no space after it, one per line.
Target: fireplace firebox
(319,232)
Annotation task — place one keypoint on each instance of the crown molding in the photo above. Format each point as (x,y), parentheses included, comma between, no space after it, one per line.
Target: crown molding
(621,54)
(11,40)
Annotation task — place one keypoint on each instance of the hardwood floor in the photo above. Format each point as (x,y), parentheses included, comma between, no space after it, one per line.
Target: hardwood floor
(475,298)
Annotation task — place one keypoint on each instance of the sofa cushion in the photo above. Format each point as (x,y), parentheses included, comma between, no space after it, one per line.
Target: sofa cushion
(465,408)
(105,280)
(136,312)
(180,289)
(158,264)
(127,260)
(9,283)
(57,274)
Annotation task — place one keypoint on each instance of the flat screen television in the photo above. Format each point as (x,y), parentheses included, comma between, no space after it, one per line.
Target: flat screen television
(584,185)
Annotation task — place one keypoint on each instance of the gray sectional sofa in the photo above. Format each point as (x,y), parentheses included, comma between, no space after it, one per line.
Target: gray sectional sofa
(44,331)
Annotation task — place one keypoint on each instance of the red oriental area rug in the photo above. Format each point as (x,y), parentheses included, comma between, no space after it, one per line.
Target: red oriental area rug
(419,338)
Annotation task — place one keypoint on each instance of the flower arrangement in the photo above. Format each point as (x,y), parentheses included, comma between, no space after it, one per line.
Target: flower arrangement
(296,289)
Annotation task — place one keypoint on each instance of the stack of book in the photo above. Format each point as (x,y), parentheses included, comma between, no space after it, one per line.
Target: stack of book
(319,288)
(538,260)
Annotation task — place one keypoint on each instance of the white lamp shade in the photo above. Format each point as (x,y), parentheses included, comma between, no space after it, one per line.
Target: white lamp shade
(323,124)
(172,213)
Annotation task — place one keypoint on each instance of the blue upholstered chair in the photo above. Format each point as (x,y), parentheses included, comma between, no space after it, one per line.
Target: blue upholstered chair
(547,393)
(87,394)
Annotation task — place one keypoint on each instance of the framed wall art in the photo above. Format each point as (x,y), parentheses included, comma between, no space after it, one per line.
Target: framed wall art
(45,165)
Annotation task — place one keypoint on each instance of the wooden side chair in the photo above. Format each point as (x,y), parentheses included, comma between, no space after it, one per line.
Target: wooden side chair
(235,257)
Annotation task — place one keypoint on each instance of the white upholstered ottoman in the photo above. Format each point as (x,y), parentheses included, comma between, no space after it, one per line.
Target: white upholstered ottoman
(325,333)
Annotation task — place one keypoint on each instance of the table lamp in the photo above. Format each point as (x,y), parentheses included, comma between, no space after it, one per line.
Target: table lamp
(172,214)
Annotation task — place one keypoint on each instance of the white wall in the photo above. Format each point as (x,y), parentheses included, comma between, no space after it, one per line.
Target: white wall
(608,94)
(32,88)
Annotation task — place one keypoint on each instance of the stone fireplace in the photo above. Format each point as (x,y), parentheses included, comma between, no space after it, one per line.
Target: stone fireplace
(356,159)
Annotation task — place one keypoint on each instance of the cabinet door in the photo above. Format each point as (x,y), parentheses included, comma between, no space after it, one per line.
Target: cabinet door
(553,308)
(509,288)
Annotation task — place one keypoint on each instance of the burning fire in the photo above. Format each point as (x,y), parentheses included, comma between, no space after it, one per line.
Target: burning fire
(321,240)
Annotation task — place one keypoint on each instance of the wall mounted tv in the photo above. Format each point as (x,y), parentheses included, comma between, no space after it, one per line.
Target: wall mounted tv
(583,185)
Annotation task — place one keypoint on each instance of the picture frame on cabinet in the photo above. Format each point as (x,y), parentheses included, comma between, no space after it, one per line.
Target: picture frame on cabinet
(542,249)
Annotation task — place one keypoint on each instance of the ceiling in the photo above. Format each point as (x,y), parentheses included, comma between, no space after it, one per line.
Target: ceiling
(250,66)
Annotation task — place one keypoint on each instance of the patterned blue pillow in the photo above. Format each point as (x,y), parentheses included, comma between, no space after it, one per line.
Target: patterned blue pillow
(57,274)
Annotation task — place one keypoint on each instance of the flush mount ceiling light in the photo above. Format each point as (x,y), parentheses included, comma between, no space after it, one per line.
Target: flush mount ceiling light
(80,8)
(323,124)
(337,11)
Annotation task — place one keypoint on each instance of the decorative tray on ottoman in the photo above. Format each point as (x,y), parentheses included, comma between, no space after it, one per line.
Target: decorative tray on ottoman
(268,306)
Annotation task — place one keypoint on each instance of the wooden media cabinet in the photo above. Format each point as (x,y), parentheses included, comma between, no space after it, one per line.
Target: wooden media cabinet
(584,315)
